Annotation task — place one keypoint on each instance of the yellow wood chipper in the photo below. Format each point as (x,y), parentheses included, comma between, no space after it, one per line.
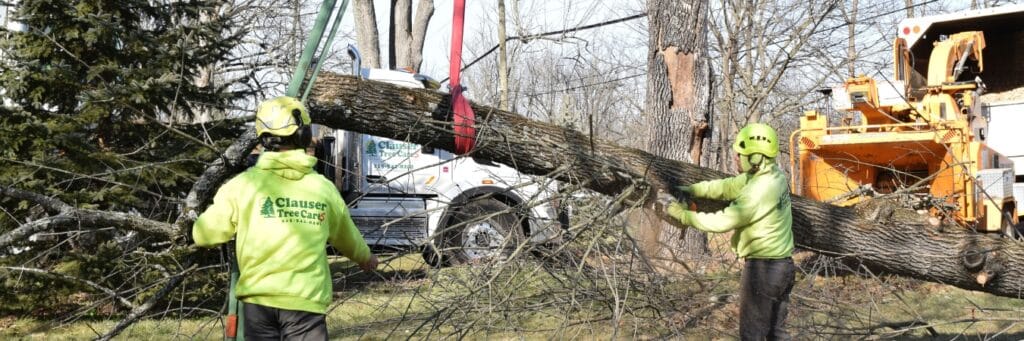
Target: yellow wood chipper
(927,131)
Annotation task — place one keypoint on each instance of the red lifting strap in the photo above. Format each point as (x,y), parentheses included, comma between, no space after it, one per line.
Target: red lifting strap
(465,133)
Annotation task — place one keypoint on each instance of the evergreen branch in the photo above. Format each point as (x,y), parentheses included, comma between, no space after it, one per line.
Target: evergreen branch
(178,132)
(142,166)
(87,176)
(113,294)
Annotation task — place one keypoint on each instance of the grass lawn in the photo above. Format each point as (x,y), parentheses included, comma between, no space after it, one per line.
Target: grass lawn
(407,298)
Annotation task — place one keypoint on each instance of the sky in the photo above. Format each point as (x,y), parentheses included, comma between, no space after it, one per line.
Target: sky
(538,16)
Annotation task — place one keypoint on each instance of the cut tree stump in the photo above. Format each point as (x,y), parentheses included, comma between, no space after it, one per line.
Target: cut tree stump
(903,243)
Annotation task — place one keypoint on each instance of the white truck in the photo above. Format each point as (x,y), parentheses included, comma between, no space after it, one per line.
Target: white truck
(1002,101)
(1006,118)
(402,195)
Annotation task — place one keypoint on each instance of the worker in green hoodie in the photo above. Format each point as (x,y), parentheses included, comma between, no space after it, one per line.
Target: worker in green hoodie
(761,218)
(281,214)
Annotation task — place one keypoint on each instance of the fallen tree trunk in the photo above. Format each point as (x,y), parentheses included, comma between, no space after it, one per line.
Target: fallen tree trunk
(896,241)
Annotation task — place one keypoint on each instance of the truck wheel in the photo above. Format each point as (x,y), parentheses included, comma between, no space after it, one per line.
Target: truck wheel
(481,230)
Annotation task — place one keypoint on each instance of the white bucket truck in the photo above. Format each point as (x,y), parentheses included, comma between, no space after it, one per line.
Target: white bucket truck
(402,195)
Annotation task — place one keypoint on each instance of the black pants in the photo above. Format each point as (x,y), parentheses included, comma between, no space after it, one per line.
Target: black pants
(266,323)
(765,287)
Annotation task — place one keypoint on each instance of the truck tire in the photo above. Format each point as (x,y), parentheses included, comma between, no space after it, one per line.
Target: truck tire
(479,231)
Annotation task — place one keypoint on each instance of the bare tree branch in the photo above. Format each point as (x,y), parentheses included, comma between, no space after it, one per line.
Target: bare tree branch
(51,205)
(90,218)
(141,310)
(229,164)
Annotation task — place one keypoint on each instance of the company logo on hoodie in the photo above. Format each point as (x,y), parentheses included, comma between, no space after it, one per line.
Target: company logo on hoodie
(291,210)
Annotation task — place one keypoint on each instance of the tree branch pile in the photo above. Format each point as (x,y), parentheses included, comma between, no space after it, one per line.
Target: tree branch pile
(896,241)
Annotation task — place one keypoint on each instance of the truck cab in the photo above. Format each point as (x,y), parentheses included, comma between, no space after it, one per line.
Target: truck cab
(457,209)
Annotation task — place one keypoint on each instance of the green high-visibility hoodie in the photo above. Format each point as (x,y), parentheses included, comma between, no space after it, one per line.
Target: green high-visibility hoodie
(760,213)
(281,215)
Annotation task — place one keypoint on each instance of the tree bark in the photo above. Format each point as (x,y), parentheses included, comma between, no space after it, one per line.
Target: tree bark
(405,35)
(851,48)
(366,33)
(882,237)
(424,11)
(502,58)
(400,44)
(676,109)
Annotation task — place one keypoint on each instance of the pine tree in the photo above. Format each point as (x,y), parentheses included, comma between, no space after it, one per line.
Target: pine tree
(93,83)
(371,148)
(90,80)
(268,208)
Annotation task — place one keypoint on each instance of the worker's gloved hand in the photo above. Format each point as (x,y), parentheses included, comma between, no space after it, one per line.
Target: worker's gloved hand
(684,193)
(664,199)
(370,264)
(680,212)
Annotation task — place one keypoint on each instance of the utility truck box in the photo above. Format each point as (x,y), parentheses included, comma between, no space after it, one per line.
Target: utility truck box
(403,195)
(1005,115)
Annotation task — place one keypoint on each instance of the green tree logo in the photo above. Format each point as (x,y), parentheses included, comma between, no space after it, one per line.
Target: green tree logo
(371,148)
(268,208)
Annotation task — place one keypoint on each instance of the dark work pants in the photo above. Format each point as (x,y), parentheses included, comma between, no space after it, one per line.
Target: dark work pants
(266,323)
(765,287)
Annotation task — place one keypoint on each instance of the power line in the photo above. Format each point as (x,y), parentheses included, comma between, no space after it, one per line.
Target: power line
(545,34)
(881,15)
(642,15)
(849,23)
(581,86)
